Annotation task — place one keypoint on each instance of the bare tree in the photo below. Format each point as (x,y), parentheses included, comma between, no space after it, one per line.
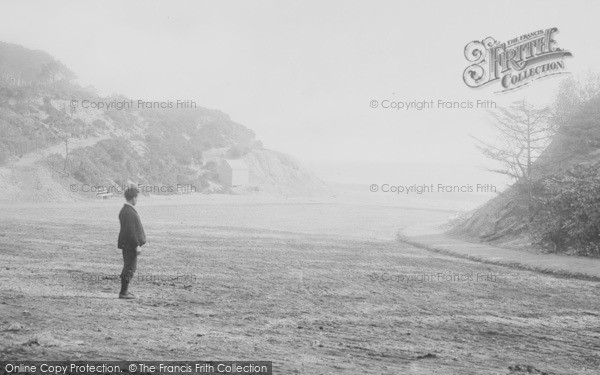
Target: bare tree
(523,133)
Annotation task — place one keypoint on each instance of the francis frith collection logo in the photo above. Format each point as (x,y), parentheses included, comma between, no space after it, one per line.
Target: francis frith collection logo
(514,63)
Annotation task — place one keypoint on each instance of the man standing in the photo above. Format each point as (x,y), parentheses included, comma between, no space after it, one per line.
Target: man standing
(131,237)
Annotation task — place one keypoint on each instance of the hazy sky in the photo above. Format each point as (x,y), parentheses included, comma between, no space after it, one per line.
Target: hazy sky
(302,73)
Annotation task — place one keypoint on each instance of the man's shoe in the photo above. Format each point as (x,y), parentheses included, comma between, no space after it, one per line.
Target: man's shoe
(127,296)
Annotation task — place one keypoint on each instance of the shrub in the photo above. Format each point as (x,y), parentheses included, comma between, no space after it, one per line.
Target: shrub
(567,211)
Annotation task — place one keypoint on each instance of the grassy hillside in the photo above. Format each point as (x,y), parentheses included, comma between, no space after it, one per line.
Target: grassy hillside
(153,146)
(558,207)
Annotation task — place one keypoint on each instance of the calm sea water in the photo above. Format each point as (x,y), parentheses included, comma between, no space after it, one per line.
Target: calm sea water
(452,187)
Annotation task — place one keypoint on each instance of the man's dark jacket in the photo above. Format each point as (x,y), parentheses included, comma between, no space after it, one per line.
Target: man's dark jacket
(132,233)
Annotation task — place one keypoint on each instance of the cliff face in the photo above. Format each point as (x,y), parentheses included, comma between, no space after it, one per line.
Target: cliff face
(51,127)
(274,172)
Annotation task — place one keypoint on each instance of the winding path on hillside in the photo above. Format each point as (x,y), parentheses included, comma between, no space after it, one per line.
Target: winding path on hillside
(29,179)
(33,157)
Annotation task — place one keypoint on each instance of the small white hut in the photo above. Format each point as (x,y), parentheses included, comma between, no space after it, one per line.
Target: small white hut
(234,172)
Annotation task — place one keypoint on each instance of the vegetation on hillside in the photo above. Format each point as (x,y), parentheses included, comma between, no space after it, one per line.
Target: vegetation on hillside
(566,199)
(556,201)
(146,146)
